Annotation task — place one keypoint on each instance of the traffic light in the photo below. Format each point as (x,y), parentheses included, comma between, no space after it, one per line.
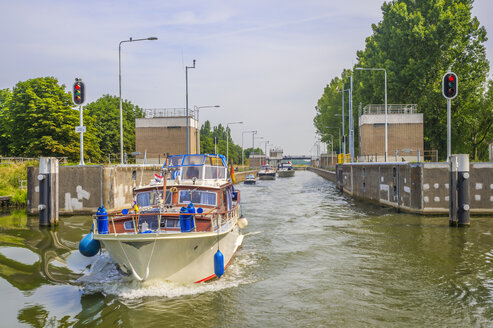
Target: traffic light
(450,85)
(78,93)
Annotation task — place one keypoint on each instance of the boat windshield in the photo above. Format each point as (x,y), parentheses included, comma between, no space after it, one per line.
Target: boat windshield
(201,167)
(151,197)
(197,197)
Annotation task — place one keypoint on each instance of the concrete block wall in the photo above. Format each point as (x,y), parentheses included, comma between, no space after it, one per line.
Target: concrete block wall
(481,187)
(412,187)
(436,177)
(82,189)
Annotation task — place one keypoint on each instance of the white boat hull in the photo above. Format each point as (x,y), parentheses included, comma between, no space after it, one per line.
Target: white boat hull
(267,176)
(179,257)
(285,173)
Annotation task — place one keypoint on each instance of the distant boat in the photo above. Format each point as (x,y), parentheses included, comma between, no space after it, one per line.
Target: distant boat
(285,170)
(250,179)
(188,235)
(266,173)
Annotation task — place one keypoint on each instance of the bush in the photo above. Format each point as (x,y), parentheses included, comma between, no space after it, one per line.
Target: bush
(11,176)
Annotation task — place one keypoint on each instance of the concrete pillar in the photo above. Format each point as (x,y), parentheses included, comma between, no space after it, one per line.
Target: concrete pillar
(453,191)
(459,212)
(48,191)
(463,190)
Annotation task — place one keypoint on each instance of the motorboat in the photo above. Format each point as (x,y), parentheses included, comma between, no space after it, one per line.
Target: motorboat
(285,169)
(184,227)
(250,179)
(266,172)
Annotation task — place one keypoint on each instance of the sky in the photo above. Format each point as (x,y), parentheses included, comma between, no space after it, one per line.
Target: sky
(265,63)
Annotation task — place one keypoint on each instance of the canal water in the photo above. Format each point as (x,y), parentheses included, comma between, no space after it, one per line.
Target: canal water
(311,257)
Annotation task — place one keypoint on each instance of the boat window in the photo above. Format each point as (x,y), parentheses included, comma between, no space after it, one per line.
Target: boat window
(194,160)
(149,198)
(175,160)
(215,172)
(197,197)
(190,172)
(128,225)
(214,161)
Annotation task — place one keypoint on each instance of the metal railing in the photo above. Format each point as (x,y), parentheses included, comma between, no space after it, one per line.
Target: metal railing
(379,109)
(168,112)
(218,221)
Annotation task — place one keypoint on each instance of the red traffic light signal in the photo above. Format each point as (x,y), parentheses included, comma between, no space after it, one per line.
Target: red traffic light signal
(450,85)
(78,93)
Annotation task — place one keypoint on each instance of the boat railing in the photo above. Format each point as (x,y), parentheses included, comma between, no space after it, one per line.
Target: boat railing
(163,222)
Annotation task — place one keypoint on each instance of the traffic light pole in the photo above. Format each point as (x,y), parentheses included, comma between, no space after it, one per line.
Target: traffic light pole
(449,132)
(81,137)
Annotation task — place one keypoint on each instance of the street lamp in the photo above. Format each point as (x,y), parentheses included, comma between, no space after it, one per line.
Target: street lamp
(385,71)
(186,100)
(331,150)
(120,86)
(227,139)
(253,147)
(242,148)
(196,108)
(343,135)
(337,127)
(266,142)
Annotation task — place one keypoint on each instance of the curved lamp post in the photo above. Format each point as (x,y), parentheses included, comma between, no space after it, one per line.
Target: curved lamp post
(152,38)
(227,139)
(197,108)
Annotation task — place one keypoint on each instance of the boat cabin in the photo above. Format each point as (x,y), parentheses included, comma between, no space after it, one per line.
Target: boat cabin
(198,183)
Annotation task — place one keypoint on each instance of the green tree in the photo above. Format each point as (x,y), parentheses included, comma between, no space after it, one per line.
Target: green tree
(106,114)
(40,121)
(207,142)
(417,42)
(5,97)
(329,110)
(248,151)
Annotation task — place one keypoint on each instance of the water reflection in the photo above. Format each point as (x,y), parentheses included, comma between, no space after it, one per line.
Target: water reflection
(312,256)
(19,231)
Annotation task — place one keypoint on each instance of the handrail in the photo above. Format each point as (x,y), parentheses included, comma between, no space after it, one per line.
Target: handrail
(223,216)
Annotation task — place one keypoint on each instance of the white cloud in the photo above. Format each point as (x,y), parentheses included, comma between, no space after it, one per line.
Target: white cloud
(265,62)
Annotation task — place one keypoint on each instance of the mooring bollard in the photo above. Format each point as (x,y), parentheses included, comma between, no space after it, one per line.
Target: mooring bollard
(48,191)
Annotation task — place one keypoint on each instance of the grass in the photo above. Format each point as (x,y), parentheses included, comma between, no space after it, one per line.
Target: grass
(11,176)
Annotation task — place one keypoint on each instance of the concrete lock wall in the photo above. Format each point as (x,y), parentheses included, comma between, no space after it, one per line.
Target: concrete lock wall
(412,187)
(82,189)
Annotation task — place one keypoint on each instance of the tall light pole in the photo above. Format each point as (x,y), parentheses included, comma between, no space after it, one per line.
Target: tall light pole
(385,71)
(197,108)
(337,127)
(120,86)
(253,147)
(331,149)
(242,148)
(186,100)
(343,135)
(227,139)
(265,142)
(351,123)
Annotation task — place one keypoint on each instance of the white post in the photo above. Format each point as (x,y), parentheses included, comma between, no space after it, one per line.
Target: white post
(343,135)
(81,124)
(386,136)
(449,130)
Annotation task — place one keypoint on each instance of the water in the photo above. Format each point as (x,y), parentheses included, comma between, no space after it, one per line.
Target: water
(311,257)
